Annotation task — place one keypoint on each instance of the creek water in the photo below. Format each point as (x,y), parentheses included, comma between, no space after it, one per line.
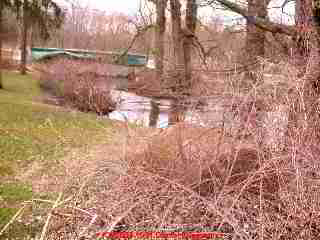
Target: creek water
(136,109)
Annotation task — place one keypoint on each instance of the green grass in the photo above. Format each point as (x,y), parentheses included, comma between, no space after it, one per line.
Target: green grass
(32,131)
(11,192)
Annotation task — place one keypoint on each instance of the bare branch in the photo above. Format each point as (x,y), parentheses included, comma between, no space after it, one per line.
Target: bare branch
(262,23)
(140,31)
(285,3)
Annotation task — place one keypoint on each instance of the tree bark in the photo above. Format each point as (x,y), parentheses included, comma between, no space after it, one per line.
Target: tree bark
(1,37)
(159,57)
(305,115)
(154,113)
(191,23)
(262,23)
(177,35)
(23,64)
(302,19)
(176,109)
(159,36)
(255,37)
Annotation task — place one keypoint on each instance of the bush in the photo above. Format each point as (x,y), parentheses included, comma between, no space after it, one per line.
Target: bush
(79,83)
(236,182)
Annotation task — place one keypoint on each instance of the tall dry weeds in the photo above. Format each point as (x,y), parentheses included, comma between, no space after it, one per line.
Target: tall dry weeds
(207,176)
(82,84)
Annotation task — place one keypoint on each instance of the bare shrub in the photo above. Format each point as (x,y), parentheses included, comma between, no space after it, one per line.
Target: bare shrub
(79,83)
(194,175)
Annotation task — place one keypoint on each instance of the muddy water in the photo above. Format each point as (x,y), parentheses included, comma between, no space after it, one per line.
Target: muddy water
(136,109)
(271,125)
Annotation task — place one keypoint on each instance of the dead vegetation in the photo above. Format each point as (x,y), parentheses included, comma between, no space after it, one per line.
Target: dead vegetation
(81,84)
(233,182)
(202,178)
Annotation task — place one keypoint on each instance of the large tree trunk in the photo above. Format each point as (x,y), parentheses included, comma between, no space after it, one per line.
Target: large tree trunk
(177,35)
(302,17)
(23,64)
(255,36)
(159,36)
(159,58)
(154,113)
(191,23)
(302,12)
(305,115)
(177,109)
(1,37)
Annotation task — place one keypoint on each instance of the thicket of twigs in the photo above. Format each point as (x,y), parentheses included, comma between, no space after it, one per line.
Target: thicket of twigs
(235,182)
(78,83)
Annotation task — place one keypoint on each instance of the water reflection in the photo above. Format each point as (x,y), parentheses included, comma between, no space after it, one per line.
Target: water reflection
(137,109)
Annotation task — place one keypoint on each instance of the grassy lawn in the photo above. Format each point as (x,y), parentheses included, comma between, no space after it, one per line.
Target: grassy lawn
(32,131)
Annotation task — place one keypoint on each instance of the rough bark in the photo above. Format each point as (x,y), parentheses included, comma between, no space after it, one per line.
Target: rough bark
(255,38)
(176,110)
(177,35)
(159,58)
(302,18)
(191,23)
(1,34)
(159,36)
(262,23)
(154,113)
(23,64)
(301,12)
(305,116)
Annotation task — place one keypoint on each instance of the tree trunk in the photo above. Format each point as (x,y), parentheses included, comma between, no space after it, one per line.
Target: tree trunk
(302,13)
(159,36)
(305,116)
(1,34)
(176,110)
(301,50)
(255,36)
(23,65)
(177,35)
(154,113)
(159,57)
(191,23)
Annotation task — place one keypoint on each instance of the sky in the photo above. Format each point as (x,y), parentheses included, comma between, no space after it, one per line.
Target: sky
(125,6)
(130,7)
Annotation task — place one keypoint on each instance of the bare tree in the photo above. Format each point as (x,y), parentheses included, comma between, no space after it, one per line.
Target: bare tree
(189,35)
(23,66)
(183,39)
(160,30)
(159,36)
(43,14)
(307,105)
(177,36)
(255,38)
(177,80)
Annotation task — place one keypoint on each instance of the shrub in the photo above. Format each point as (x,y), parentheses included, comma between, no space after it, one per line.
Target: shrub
(79,83)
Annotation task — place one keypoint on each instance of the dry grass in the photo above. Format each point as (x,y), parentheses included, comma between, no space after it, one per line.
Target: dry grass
(202,176)
(79,83)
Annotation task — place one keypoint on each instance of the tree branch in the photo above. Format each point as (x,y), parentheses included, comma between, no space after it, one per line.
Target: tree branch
(140,31)
(262,23)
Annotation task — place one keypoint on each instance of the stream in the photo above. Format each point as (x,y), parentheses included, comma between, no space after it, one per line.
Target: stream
(136,109)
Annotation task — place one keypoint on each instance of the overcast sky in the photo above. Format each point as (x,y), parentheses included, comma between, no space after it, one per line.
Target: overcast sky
(131,6)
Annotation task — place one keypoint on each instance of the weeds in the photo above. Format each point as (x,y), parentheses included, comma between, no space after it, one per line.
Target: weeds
(236,182)
(77,83)
(34,139)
